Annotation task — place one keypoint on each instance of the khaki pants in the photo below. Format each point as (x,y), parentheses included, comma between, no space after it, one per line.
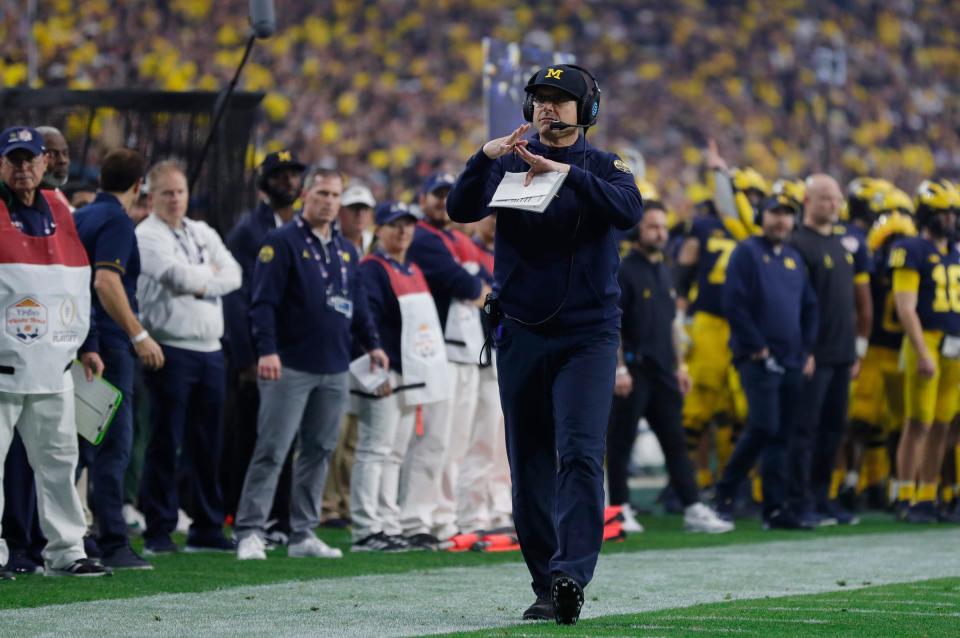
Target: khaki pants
(336,494)
(46,426)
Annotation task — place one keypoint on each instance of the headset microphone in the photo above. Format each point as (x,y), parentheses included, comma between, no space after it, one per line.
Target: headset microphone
(560,126)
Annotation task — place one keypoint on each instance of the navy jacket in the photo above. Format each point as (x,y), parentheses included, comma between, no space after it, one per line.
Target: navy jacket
(649,306)
(532,271)
(384,307)
(107,232)
(448,280)
(289,311)
(770,303)
(244,242)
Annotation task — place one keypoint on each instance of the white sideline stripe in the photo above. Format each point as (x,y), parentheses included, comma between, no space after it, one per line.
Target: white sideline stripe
(470,598)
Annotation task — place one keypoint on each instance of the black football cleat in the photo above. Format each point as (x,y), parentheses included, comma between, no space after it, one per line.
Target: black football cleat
(567,595)
(542,609)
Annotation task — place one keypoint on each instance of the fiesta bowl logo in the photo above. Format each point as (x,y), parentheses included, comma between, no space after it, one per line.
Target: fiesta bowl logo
(425,343)
(27,320)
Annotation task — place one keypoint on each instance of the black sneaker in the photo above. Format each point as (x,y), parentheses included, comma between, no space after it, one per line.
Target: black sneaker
(542,609)
(336,523)
(567,597)
(379,542)
(922,513)
(403,545)
(842,516)
(21,563)
(276,536)
(6,574)
(724,509)
(782,519)
(82,567)
(125,558)
(424,542)
(209,543)
(156,545)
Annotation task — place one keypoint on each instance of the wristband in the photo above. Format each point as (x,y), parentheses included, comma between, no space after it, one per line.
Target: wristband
(862,345)
(622,370)
(142,336)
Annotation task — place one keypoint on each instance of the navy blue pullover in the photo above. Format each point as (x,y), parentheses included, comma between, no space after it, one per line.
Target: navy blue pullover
(447,279)
(532,270)
(384,307)
(770,303)
(289,314)
(243,242)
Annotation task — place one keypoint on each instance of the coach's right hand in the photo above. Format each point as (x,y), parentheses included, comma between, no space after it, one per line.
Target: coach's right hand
(506,144)
(150,353)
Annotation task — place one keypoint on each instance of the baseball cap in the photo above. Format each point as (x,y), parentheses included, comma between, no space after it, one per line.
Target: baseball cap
(782,201)
(437,181)
(389,212)
(358,194)
(278,160)
(21,137)
(561,77)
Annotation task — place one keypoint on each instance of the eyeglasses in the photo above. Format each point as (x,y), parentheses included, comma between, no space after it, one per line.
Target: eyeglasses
(539,99)
(22,160)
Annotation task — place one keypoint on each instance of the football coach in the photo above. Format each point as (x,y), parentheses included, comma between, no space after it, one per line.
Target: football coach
(557,324)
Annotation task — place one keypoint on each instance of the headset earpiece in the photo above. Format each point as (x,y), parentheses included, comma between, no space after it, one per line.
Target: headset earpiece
(588,107)
(528,99)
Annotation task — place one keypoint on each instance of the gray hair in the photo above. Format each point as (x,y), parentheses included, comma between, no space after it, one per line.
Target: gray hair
(320,173)
(49,130)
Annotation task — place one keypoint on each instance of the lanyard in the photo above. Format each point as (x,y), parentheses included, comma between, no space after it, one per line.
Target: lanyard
(185,241)
(325,259)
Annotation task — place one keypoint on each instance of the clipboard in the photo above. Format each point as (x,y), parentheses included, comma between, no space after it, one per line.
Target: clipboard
(511,193)
(96,404)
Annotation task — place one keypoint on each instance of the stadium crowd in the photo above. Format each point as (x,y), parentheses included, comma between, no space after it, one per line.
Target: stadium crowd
(380,92)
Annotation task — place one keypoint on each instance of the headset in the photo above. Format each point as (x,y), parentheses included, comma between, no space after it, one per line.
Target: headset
(588,105)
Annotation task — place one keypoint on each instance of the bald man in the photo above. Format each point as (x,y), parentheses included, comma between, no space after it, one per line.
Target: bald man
(821,417)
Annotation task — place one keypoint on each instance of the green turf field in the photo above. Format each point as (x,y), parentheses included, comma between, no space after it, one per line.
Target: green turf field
(662,582)
(926,608)
(204,572)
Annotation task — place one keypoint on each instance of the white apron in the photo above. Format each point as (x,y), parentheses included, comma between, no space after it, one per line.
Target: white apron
(44,303)
(464,332)
(422,355)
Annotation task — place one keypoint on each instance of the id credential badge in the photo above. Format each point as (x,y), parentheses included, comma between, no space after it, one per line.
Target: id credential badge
(339,303)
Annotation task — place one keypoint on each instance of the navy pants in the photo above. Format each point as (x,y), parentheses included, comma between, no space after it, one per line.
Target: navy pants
(186,399)
(556,391)
(107,462)
(821,422)
(655,396)
(772,398)
(21,524)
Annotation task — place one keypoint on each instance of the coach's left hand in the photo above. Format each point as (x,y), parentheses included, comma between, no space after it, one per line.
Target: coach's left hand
(539,164)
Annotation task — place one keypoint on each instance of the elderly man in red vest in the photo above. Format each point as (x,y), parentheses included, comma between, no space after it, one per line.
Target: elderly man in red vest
(45,308)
